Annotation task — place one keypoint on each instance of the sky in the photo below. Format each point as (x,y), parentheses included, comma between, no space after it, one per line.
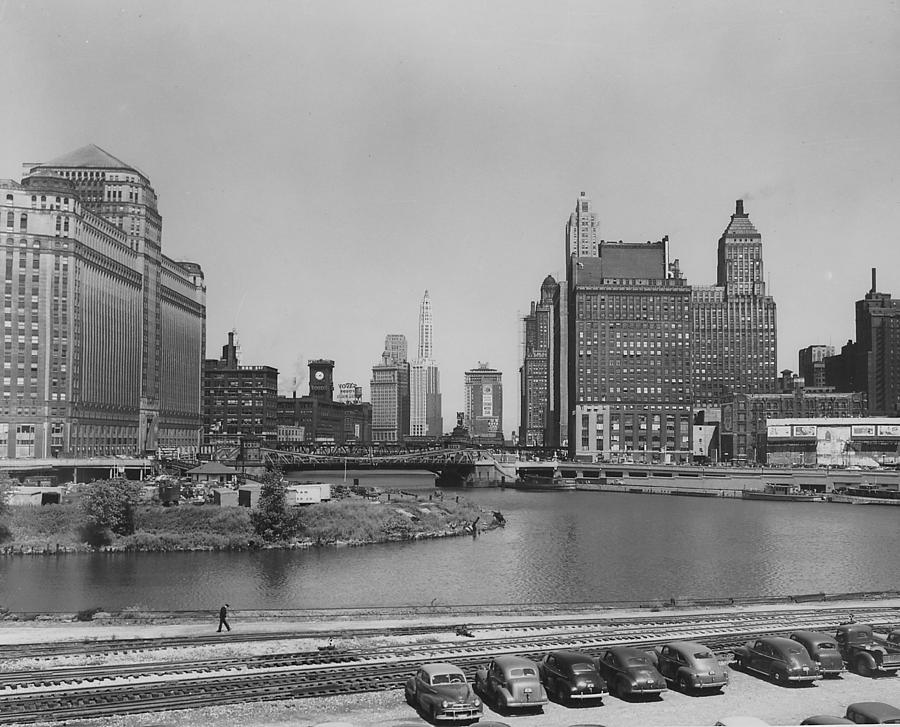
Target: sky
(327,162)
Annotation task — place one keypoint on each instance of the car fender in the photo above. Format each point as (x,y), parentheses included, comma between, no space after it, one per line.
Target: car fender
(502,696)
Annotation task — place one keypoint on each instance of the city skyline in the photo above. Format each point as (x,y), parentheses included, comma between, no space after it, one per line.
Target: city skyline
(442,148)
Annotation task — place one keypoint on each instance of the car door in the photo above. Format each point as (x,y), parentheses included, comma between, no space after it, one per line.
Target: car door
(666,666)
(760,657)
(495,679)
(551,672)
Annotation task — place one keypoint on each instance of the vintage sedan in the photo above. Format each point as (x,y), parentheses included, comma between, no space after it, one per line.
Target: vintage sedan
(873,713)
(630,673)
(441,692)
(691,666)
(571,675)
(823,649)
(782,660)
(511,682)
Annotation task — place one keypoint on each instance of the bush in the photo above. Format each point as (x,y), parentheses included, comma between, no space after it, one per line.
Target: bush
(111,504)
(5,533)
(87,614)
(272,520)
(94,534)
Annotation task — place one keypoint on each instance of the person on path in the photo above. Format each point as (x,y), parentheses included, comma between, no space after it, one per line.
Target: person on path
(223,614)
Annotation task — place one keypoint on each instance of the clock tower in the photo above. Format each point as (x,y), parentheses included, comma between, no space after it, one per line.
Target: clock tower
(321,383)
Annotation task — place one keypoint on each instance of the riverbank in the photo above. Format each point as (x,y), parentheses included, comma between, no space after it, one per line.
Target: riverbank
(352,521)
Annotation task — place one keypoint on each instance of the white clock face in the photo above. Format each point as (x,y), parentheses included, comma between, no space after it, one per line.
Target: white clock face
(320,375)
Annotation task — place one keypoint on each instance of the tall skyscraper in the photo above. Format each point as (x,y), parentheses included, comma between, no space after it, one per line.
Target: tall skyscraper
(629,354)
(484,403)
(582,230)
(734,331)
(539,402)
(425,418)
(390,392)
(104,335)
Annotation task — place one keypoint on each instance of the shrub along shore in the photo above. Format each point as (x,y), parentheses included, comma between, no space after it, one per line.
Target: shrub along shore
(76,526)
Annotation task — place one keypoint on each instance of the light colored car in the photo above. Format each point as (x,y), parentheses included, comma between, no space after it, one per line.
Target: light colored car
(511,682)
(441,692)
(691,666)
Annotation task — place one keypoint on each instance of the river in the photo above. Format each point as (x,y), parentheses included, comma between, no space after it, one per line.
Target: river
(562,547)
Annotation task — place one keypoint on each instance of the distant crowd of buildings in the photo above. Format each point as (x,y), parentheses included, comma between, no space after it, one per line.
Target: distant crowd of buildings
(105,339)
(625,361)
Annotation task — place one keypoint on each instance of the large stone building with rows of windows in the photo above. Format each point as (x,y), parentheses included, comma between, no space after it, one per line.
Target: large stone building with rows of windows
(104,335)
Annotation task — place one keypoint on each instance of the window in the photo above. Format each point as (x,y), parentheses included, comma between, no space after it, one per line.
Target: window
(23,222)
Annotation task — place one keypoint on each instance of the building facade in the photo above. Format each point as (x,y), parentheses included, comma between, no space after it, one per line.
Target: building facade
(833,442)
(104,336)
(425,418)
(745,418)
(811,364)
(350,393)
(484,404)
(734,327)
(629,355)
(239,402)
(539,401)
(389,390)
(878,351)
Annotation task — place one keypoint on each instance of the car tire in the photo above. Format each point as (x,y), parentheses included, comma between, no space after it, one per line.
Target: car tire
(862,667)
(738,663)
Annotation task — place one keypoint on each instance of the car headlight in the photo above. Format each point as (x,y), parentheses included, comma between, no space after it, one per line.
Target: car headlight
(477,702)
(581,684)
(445,704)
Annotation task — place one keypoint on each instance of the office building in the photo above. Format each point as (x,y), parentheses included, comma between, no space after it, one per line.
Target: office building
(629,354)
(582,230)
(425,419)
(811,362)
(734,331)
(539,415)
(104,336)
(389,389)
(745,417)
(322,419)
(484,404)
(239,402)
(871,364)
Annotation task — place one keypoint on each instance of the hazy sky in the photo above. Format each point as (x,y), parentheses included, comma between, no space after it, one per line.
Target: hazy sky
(326,162)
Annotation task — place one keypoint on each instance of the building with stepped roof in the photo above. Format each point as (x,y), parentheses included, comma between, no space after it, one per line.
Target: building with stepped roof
(104,336)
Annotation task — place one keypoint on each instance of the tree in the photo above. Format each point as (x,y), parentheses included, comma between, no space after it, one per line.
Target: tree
(272,519)
(5,532)
(110,505)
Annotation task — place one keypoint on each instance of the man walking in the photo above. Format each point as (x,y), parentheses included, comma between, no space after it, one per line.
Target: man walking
(223,614)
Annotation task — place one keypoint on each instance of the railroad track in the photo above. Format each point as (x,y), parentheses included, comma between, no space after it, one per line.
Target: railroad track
(98,691)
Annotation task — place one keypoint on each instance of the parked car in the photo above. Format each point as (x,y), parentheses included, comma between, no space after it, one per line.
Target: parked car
(690,666)
(826,719)
(630,673)
(823,649)
(865,653)
(569,675)
(511,682)
(873,713)
(440,691)
(781,659)
(894,637)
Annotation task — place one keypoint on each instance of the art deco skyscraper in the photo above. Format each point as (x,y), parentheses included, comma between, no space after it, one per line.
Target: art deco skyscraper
(425,419)
(734,333)
(390,392)
(104,335)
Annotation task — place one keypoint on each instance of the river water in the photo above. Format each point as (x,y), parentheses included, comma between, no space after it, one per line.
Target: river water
(565,547)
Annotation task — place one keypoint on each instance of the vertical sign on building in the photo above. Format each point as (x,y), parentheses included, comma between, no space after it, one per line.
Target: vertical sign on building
(487,400)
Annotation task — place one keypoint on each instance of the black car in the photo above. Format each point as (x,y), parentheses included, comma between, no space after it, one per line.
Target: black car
(823,649)
(571,675)
(782,660)
(630,672)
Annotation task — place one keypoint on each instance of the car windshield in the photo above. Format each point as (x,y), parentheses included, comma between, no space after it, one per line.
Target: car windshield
(826,645)
(793,650)
(704,655)
(525,671)
(637,661)
(448,679)
(582,668)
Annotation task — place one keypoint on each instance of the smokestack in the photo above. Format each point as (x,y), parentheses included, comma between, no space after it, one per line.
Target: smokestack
(230,338)
(739,208)
(874,288)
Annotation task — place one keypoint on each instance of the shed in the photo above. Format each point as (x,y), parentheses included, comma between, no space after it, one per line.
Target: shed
(248,494)
(225,497)
(213,472)
(307,493)
(34,496)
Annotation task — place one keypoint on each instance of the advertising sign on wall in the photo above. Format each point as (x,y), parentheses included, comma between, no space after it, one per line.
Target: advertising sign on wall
(889,430)
(805,430)
(779,430)
(487,400)
(862,430)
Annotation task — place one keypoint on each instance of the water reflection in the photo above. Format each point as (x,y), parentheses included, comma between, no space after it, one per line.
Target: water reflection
(556,547)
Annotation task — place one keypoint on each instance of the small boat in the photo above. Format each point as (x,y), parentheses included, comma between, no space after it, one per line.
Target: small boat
(866,494)
(783,492)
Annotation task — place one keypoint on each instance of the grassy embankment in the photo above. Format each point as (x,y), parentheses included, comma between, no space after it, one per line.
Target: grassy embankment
(53,528)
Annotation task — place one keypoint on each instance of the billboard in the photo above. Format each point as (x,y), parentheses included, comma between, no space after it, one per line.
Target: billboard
(862,430)
(487,400)
(779,430)
(889,430)
(804,430)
